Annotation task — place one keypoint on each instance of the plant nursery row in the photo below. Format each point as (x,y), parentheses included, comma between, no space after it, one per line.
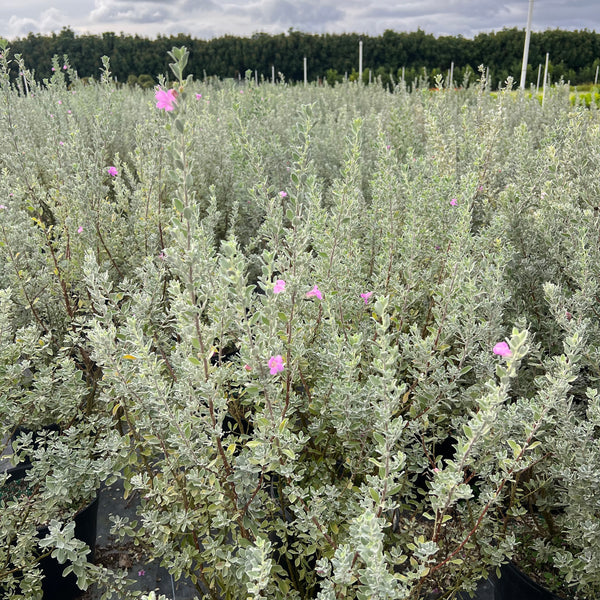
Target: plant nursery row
(337,342)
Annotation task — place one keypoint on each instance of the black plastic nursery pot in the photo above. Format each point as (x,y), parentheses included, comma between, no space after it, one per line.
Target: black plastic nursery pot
(512,585)
(516,585)
(54,585)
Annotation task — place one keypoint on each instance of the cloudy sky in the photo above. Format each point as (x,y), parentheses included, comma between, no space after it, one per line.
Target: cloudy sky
(206,19)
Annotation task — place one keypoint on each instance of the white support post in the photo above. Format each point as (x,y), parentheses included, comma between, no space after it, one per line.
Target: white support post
(545,78)
(451,76)
(360,61)
(305,72)
(273,73)
(526,47)
(537,86)
(596,78)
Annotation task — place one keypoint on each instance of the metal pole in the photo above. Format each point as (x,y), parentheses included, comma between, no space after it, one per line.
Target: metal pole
(273,73)
(360,61)
(451,77)
(526,47)
(305,73)
(537,85)
(596,78)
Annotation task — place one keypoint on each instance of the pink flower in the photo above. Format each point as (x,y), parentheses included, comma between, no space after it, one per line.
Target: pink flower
(315,292)
(53,69)
(2,207)
(453,202)
(279,286)
(502,349)
(61,143)
(247,367)
(198,96)
(112,171)
(276,364)
(80,229)
(60,101)
(65,67)
(141,573)
(165,99)
(283,194)
(366,296)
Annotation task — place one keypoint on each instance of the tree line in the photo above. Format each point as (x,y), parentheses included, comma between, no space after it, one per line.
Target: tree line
(574,55)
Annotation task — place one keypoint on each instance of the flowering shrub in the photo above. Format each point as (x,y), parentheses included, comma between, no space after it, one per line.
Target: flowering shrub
(374,384)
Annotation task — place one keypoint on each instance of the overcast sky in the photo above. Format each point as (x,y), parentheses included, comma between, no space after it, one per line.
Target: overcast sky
(206,19)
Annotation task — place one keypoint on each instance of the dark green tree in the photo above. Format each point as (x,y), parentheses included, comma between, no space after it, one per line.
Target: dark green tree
(573,54)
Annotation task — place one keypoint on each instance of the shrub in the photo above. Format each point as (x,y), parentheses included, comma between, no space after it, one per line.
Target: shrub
(345,339)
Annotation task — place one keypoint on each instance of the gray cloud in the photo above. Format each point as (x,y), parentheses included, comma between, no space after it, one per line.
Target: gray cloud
(191,6)
(209,18)
(301,15)
(111,11)
(45,21)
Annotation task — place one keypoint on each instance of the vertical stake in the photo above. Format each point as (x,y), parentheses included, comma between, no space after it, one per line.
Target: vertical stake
(545,78)
(526,47)
(360,61)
